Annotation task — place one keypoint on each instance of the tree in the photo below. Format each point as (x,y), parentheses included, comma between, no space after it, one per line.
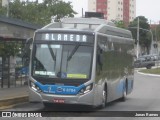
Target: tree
(34,12)
(39,13)
(156,32)
(16,9)
(120,24)
(2,9)
(144,34)
(62,9)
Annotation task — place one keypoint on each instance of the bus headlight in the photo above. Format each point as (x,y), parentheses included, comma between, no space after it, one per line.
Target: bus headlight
(86,89)
(35,87)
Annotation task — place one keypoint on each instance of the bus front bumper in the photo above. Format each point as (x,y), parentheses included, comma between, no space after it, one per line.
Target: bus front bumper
(85,99)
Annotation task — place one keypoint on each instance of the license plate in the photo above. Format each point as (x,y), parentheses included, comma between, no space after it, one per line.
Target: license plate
(58,100)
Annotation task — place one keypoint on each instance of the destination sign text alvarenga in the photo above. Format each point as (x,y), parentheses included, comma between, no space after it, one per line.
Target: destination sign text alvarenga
(64,37)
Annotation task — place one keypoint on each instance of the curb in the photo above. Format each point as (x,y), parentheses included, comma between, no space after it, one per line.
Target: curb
(152,75)
(11,102)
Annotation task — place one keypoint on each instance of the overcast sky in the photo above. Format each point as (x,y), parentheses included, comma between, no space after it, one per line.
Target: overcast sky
(148,8)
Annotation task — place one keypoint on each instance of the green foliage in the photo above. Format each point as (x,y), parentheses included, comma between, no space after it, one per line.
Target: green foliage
(33,12)
(10,48)
(156,33)
(2,9)
(144,36)
(151,71)
(39,13)
(120,24)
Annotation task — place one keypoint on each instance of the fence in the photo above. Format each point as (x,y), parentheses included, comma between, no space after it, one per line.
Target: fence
(13,72)
(12,75)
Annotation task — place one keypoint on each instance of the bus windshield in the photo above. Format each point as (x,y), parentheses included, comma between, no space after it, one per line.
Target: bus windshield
(65,61)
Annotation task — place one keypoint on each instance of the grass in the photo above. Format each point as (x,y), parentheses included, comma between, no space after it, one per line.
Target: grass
(151,71)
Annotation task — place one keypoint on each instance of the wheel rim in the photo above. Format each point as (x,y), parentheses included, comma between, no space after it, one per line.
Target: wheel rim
(124,93)
(104,98)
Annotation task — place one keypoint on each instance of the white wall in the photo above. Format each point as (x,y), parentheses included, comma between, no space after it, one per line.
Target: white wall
(92,5)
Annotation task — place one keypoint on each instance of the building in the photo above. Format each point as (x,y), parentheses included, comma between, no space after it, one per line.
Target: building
(14,28)
(13,34)
(114,9)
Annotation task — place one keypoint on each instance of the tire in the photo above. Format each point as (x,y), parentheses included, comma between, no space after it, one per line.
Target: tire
(104,99)
(149,67)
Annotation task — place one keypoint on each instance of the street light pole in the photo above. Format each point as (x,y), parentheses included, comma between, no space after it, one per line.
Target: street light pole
(138,38)
(7,8)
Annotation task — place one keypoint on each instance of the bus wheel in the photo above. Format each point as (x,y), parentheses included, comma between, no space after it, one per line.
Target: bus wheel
(104,99)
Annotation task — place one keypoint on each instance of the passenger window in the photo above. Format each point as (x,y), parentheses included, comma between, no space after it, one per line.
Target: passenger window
(100,58)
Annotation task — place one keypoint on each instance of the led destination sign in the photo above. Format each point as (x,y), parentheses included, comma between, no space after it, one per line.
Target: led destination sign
(63,37)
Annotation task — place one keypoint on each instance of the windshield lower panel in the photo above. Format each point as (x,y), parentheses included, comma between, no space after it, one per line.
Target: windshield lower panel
(61,61)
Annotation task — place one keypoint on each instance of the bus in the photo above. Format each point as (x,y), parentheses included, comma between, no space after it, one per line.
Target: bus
(82,61)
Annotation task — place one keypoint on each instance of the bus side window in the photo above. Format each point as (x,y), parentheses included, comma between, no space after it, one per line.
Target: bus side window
(99,60)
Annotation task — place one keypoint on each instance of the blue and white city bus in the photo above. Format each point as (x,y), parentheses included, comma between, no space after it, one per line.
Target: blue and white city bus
(84,61)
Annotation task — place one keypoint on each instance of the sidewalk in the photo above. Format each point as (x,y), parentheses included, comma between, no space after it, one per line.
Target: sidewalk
(9,97)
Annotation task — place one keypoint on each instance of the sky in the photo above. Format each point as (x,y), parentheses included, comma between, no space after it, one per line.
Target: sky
(148,8)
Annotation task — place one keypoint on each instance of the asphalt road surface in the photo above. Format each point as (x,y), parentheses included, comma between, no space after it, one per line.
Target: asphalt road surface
(145,97)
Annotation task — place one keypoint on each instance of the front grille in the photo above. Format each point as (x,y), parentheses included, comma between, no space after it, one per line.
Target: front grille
(67,82)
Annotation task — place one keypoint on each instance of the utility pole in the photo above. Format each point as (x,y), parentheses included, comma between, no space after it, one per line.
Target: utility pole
(138,38)
(82,13)
(5,3)
(7,8)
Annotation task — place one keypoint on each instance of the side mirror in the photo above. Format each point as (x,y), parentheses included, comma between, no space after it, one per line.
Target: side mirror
(27,51)
(100,57)
(100,61)
(29,43)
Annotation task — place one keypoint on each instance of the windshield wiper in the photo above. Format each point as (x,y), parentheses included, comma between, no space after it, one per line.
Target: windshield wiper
(73,52)
(52,53)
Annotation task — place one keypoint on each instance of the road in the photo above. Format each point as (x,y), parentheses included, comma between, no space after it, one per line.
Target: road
(145,97)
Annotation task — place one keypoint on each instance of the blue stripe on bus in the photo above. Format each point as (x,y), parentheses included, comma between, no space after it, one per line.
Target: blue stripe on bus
(120,87)
(130,85)
(60,89)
